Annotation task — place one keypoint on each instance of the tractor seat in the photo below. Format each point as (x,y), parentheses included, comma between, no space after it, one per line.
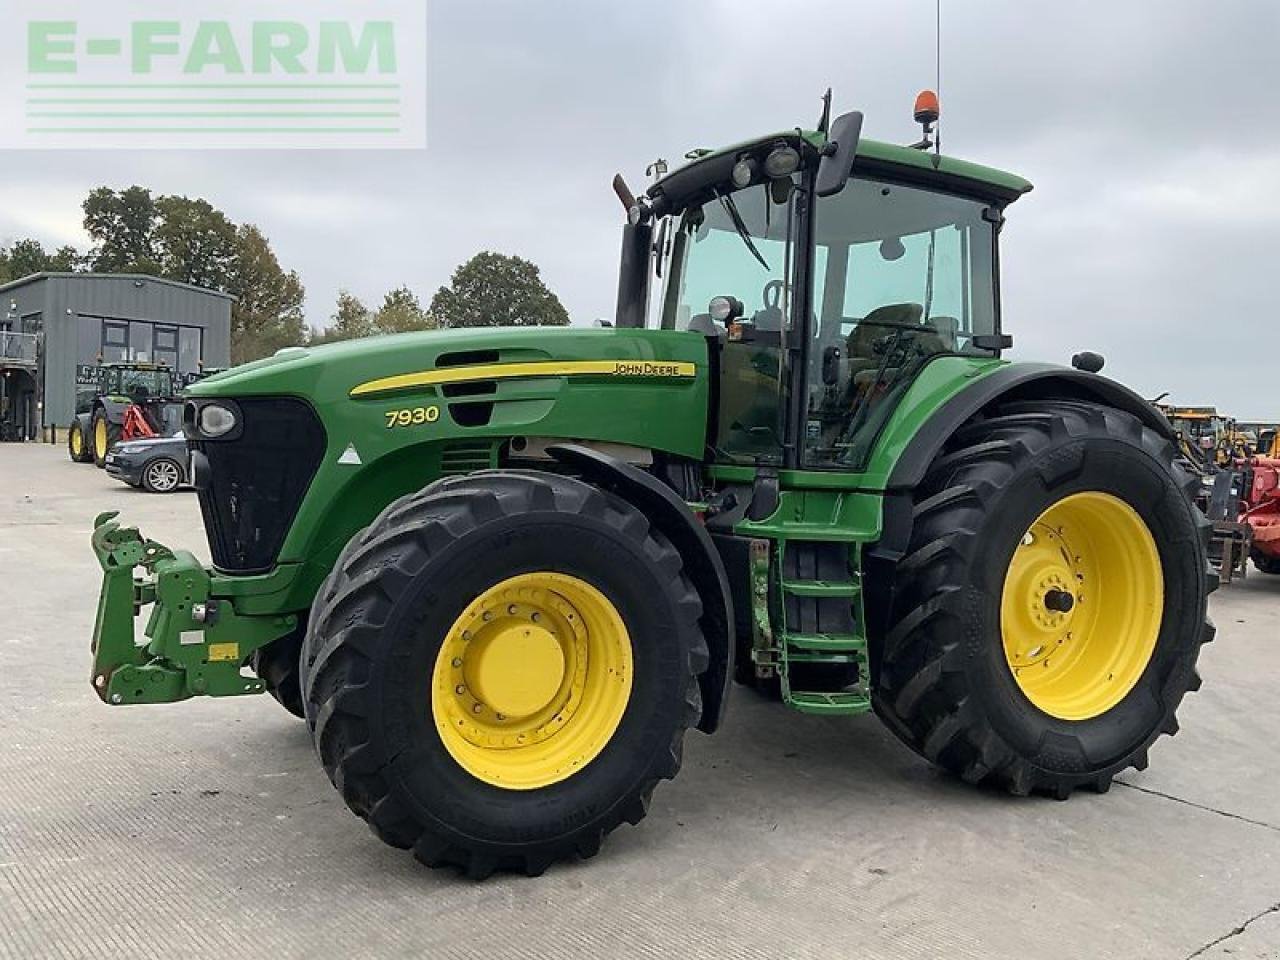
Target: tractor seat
(876,325)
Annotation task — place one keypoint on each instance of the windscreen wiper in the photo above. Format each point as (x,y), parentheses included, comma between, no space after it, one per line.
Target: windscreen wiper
(731,208)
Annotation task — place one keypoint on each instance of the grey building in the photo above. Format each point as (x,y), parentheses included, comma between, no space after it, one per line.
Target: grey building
(55,327)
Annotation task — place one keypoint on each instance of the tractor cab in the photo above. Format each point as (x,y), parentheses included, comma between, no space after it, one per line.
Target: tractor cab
(823,303)
(137,382)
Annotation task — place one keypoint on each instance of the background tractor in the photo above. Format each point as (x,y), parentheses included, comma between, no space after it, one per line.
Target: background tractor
(131,401)
(501,571)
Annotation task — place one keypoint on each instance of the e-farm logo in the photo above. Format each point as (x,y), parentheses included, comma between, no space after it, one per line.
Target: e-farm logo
(215,74)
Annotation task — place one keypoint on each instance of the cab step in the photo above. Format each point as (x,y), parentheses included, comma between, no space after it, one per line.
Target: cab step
(827,703)
(821,588)
(827,642)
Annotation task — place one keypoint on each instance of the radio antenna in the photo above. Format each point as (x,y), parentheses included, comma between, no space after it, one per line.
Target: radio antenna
(937,71)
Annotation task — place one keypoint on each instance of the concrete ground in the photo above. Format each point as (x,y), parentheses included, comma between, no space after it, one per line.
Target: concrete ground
(207,829)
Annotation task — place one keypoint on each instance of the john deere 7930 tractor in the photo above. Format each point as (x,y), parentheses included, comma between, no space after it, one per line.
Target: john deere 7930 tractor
(501,571)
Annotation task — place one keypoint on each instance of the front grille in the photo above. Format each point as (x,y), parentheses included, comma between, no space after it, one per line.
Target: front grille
(257,479)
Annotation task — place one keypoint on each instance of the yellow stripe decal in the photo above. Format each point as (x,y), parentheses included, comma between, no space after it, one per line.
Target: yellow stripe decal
(538,368)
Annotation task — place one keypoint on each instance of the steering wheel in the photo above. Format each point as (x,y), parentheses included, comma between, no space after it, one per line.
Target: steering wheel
(770,318)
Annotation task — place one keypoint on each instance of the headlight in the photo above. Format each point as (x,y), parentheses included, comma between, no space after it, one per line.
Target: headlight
(216,420)
(129,448)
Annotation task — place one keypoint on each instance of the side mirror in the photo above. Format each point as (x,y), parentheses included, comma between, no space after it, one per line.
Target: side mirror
(837,156)
(831,366)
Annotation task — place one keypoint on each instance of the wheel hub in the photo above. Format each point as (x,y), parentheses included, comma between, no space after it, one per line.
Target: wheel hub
(516,669)
(532,680)
(1081,606)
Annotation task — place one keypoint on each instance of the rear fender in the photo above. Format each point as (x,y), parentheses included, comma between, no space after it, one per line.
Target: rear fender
(1017,381)
(113,409)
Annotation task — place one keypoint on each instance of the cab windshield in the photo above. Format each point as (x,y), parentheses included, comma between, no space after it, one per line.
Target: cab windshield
(138,384)
(710,258)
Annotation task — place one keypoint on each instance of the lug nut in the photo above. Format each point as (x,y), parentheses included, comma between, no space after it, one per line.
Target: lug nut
(478,708)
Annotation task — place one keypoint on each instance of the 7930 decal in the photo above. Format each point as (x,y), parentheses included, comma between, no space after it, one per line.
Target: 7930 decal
(411,416)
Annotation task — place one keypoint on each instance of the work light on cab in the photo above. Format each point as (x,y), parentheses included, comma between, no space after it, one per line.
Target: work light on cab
(724,309)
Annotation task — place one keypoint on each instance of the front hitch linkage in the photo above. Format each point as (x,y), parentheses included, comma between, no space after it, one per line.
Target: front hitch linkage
(194,644)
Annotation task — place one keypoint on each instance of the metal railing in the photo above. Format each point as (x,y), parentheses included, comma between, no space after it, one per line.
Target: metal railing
(18,346)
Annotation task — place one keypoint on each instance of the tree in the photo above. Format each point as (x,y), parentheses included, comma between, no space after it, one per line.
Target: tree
(351,320)
(26,257)
(267,314)
(494,290)
(401,312)
(190,240)
(122,226)
(193,242)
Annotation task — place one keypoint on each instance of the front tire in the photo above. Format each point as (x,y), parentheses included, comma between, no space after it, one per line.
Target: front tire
(277,665)
(78,446)
(502,668)
(1041,537)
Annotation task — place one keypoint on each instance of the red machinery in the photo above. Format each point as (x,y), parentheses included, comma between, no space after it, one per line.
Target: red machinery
(1260,509)
(136,426)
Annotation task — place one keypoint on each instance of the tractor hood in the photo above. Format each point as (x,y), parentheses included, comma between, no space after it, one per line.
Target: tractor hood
(641,387)
(295,453)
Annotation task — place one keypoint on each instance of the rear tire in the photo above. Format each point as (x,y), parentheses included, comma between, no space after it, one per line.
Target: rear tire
(403,587)
(102,434)
(946,685)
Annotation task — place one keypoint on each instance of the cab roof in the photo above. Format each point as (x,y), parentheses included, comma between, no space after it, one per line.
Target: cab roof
(684,185)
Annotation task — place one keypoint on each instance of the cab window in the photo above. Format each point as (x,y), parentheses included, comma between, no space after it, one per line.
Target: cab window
(902,275)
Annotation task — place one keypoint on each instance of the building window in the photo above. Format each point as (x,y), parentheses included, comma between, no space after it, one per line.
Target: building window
(166,348)
(188,349)
(88,340)
(139,341)
(115,341)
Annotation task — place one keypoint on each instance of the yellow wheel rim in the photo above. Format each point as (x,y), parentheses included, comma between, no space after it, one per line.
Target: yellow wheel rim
(1081,606)
(77,441)
(100,439)
(532,680)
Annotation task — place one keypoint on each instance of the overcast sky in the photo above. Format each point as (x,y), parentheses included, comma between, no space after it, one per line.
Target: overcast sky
(1149,129)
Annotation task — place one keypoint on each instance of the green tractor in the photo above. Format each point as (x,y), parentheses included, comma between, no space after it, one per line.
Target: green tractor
(124,400)
(500,572)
